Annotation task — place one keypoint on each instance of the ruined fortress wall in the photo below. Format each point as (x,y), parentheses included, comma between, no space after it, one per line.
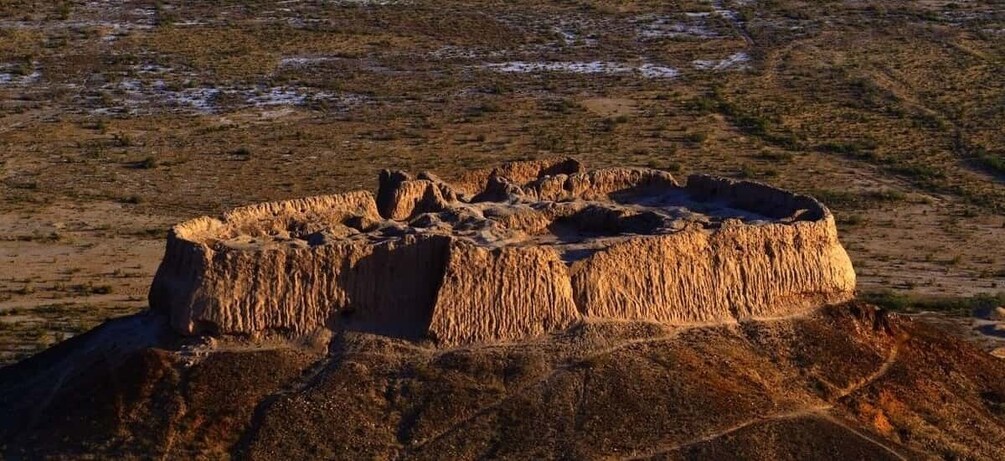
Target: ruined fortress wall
(502,294)
(735,273)
(272,217)
(209,288)
(472,182)
(454,291)
(762,198)
(388,288)
(599,184)
(459,292)
(181,273)
(409,197)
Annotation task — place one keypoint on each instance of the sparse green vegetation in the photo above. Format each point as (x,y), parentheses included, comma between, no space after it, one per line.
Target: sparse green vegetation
(844,199)
(859,148)
(994,161)
(775,155)
(959,305)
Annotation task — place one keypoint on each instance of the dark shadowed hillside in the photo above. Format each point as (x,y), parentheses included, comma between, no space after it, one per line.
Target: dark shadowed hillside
(846,382)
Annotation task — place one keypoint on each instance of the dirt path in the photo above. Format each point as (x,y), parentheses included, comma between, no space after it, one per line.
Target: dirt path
(876,375)
(801,413)
(573,363)
(830,418)
(734,20)
(822,412)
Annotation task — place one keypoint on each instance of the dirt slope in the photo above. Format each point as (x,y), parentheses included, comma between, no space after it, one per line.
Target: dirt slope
(845,382)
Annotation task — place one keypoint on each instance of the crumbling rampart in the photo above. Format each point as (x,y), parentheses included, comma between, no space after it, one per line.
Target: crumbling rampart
(536,247)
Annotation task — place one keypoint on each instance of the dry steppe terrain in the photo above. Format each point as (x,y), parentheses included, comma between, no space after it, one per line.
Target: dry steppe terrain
(120,118)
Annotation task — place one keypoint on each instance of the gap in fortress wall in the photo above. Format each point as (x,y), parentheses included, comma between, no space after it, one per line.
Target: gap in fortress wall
(502,254)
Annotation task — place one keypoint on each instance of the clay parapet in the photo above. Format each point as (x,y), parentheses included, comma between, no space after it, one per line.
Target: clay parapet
(539,247)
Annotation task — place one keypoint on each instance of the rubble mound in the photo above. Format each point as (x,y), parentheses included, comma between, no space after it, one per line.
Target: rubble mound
(504,254)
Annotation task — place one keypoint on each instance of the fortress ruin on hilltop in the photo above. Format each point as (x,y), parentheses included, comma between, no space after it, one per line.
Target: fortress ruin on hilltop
(503,254)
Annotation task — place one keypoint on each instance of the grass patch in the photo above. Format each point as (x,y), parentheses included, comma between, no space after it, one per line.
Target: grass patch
(919,171)
(775,155)
(862,148)
(995,162)
(750,120)
(960,305)
(855,200)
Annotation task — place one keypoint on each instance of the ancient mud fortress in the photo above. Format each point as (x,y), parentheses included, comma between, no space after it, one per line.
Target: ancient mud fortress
(502,254)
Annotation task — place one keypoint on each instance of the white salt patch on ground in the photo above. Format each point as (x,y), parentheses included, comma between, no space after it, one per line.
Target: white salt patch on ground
(733,17)
(721,10)
(132,96)
(568,36)
(654,71)
(665,27)
(960,18)
(676,31)
(10,77)
(582,67)
(735,61)
(152,69)
(70,24)
(571,33)
(594,67)
(200,99)
(304,61)
(280,97)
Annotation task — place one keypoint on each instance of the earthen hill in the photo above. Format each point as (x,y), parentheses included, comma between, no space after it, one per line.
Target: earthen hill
(503,254)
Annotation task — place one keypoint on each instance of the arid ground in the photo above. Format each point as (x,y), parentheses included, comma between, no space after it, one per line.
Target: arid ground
(120,118)
(843,382)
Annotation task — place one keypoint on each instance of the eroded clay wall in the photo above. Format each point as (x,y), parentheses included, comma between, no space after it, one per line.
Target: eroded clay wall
(761,198)
(599,184)
(460,292)
(735,273)
(209,288)
(502,294)
(472,182)
(387,288)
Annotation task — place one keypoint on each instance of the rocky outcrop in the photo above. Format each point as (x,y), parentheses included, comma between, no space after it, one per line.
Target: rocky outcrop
(539,247)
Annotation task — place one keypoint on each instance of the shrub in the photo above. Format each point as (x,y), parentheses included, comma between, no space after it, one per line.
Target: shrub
(964,305)
(148,163)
